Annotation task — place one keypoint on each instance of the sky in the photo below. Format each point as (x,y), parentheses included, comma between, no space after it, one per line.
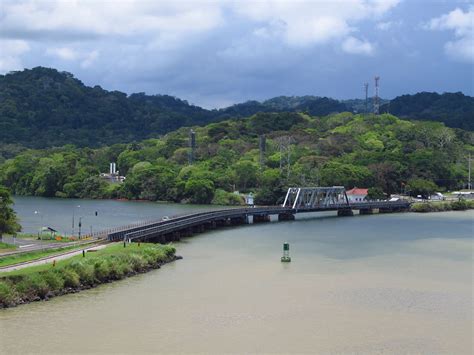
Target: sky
(217,53)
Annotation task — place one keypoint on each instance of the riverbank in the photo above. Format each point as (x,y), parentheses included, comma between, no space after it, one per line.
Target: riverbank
(79,273)
(442,206)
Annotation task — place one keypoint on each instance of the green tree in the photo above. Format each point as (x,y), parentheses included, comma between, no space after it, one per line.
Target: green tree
(421,187)
(199,190)
(375,193)
(8,220)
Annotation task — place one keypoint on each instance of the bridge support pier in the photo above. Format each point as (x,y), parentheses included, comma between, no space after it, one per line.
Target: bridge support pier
(345,212)
(366,211)
(238,220)
(385,210)
(286,217)
(261,218)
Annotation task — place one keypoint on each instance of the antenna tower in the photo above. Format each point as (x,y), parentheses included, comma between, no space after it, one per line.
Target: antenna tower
(262,146)
(192,146)
(366,88)
(376,97)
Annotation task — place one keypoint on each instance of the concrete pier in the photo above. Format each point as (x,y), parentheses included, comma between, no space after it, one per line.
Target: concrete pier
(286,217)
(345,212)
(366,211)
(261,218)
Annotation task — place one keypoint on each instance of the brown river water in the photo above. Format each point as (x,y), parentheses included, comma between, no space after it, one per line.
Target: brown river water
(395,284)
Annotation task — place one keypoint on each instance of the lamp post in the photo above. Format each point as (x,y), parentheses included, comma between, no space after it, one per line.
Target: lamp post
(41,226)
(80,225)
(73,211)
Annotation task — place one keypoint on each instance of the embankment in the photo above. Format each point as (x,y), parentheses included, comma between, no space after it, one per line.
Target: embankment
(79,273)
(442,206)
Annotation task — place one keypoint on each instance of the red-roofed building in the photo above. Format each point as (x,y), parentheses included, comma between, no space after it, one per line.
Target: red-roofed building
(356,194)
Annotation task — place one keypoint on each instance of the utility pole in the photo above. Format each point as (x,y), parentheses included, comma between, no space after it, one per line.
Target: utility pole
(262,148)
(192,146)
(469,172)
(376,97)
(366,88)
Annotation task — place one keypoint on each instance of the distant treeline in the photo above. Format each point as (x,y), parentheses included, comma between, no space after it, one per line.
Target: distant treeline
(43,107)
(383,152)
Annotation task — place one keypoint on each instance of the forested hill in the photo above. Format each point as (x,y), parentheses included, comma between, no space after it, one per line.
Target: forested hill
(42,107)
(454,109)
(344,149)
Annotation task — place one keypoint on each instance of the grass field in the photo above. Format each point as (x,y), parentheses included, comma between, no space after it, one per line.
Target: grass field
(111,263)
(8,260)
(5,247)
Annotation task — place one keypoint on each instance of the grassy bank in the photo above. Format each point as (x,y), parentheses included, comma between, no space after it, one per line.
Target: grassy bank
(5,247)
(8,260)
(461,205)
(77,273)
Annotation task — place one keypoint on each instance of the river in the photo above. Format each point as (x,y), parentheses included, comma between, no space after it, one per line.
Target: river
(392,283)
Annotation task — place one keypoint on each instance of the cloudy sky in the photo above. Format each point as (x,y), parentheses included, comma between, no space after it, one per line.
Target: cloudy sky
(216,53)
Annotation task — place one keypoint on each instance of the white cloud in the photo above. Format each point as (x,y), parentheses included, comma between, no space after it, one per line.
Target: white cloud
(102,18)
(462,23)
(63,53)
(10,54)
(356,46)
(89,59)
(309,22)
(388,25)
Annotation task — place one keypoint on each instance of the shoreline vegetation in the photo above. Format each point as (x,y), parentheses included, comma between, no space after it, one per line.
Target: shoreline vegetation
(442,206)
(79,273)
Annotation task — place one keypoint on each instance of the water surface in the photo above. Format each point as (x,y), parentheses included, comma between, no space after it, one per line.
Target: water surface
(393,283)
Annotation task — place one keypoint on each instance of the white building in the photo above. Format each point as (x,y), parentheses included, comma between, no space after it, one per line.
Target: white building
(356,194)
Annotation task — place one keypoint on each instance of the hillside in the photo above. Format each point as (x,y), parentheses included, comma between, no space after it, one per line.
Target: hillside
(341,149)
(454,109)
(43,107)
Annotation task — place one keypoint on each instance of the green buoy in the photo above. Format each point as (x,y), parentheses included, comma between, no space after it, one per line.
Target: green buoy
(286,253)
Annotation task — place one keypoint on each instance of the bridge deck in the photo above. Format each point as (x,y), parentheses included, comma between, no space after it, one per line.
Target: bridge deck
(161,228)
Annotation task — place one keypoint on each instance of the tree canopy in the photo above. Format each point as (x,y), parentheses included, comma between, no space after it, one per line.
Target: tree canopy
(381,152)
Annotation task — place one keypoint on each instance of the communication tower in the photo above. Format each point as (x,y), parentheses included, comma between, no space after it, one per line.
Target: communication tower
(366,88)
(262,147)
(192,146)
(376,97)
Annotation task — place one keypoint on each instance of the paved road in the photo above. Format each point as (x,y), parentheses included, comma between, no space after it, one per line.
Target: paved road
(49,259)
(25,245)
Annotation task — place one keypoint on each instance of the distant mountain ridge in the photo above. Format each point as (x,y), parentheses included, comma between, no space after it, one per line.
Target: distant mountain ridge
(43,107)
(453,109)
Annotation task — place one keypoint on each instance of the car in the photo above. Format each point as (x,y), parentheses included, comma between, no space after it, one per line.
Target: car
(165,218)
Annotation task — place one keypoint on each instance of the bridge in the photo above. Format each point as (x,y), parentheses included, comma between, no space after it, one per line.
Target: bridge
(297,200)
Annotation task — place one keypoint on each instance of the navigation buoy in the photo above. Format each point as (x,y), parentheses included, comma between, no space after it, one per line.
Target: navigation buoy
(286,253)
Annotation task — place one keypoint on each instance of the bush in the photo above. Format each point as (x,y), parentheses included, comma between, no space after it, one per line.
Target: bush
(71,278)
(85,271)
(54,279)
(33,285)
(102,270)
(7,294)
(116,271)
(460,205)
(137,262)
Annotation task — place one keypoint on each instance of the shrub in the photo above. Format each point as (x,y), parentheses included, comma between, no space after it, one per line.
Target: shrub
(71,278)
(85,271)
(116,270)
(460,205)
(136,261)
(7,294)
(33,285)
(54,279)
(102,270)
